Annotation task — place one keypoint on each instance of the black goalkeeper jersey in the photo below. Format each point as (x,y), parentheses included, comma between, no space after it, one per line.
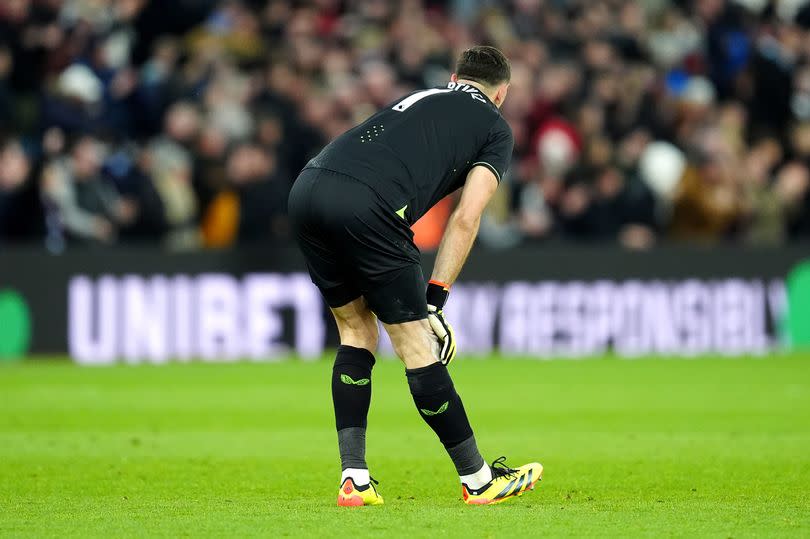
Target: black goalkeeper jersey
(420,148)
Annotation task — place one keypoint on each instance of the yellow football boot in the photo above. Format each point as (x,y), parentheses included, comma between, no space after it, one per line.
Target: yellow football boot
(351,495)
(506,483)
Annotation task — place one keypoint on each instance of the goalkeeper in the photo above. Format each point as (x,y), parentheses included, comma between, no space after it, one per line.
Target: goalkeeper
(352,207)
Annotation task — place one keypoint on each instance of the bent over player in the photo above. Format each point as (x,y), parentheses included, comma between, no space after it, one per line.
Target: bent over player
(352,208)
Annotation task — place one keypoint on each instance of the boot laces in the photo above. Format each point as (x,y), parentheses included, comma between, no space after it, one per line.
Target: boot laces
(500,469)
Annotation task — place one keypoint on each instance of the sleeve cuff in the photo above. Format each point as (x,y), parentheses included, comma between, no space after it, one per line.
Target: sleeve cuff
(490,167)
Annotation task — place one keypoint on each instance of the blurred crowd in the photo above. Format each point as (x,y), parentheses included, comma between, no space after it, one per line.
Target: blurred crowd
(185,122)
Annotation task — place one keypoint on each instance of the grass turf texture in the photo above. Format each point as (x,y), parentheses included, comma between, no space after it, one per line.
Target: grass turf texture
(658,448)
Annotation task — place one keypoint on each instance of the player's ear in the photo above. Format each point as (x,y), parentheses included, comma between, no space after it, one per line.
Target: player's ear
(500,96)
(454,78)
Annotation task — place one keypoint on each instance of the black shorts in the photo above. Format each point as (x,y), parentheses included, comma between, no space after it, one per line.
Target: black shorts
(356,245)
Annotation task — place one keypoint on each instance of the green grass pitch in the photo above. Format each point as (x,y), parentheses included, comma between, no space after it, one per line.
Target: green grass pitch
(691,448)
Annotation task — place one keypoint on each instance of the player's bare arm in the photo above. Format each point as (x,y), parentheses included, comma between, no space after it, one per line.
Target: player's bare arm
(459,236)
(462,227)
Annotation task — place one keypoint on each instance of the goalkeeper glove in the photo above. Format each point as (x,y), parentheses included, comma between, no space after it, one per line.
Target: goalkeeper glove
(436,297)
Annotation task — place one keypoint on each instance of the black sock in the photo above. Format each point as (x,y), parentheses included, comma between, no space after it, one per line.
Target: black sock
(441,408)
(351,395)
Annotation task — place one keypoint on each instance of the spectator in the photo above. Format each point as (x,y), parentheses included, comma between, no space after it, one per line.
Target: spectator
(170,167)
(171,172)
(6,97)
(707,205)
(21,213)
(156,86)
(767,221)
(252,207)
(74,105)
(182,124)
(87,207)
(793,191)
(261,194)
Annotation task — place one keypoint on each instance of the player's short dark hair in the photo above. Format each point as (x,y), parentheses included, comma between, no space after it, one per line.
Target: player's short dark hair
(483,64)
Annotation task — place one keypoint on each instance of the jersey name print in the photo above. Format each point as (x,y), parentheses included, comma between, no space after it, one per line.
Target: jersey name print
(472,90)
(418,149)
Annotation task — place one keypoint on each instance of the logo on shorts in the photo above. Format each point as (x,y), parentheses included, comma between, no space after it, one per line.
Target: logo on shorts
(401,212)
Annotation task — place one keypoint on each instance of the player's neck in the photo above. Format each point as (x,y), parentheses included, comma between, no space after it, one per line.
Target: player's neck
(481,88)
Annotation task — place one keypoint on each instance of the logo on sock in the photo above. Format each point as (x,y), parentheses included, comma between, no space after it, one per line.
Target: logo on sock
(442,409)
(346,379)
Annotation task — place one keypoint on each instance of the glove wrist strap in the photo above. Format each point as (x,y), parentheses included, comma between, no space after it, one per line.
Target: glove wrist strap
(437,293)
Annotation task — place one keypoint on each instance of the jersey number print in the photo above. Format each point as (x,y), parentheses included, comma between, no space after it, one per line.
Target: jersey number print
(451,87)
(411,99)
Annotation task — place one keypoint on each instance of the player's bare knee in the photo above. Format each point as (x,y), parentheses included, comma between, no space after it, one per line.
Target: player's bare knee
(415,358)
(413,344)
(360,332)
(359,339)
(357,325)
(370,332)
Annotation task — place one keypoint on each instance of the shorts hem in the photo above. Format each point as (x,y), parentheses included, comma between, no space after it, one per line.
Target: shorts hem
(339,301)
(402,319)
